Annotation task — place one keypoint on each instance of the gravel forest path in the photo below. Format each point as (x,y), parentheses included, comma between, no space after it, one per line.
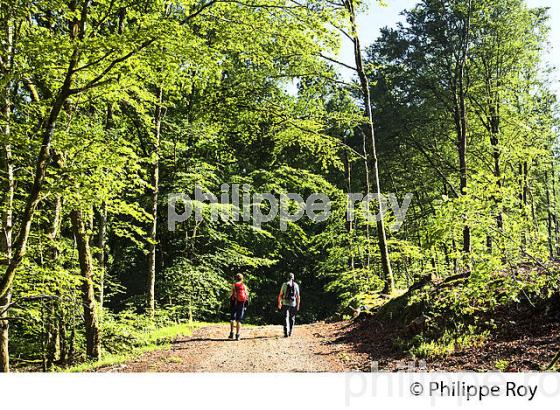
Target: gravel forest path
(261,349)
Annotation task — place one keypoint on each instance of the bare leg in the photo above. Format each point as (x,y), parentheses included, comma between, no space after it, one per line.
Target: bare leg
(238,327)
(231,323)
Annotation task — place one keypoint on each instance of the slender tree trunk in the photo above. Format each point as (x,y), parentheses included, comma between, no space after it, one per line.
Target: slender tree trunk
(4,334)
(455,261)
(462,143)
(7,251)
(349,223)
(56,223)
(368,184)
(8,199)
(364,83)
(555,212)
(53,329)
(101,236)
(463,182)
(52,340)
(523,199)
(62,349)
(525,183)
(447,259)
(71,341)
(445,246)
(494,141)
(534,215)
(88,294)
(461,120)
(154,179)
(549,219)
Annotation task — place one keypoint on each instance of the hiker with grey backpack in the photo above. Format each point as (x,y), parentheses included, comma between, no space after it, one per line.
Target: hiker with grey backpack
(288,303)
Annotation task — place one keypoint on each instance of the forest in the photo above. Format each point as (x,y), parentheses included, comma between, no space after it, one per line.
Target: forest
(111,106)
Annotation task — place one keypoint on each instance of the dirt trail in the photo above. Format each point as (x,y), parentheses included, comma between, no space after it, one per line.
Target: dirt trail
(261,349)
(527,344)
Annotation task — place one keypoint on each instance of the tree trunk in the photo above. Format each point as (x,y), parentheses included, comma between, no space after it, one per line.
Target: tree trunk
(555,213)
(8,198)
(364,83)
(462,143)
(367,181)
(101,235)
(62,349)
(6,247)
(494,128)
(154,180)
(349,222)
(54,341)
(525,194)
(495,141)
(463,186)
(549,219)
(88,294)
(523,199)
(4,335)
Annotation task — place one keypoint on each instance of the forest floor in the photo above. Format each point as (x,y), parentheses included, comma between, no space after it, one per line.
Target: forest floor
(311,348)
(521,342)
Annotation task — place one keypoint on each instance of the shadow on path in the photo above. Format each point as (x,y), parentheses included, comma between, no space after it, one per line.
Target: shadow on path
(224,339)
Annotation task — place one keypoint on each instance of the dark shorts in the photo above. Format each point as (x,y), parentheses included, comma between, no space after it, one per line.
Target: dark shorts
(237,311)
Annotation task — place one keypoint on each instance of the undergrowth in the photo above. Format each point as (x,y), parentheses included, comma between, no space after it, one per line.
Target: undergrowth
(441,317)
(127,335)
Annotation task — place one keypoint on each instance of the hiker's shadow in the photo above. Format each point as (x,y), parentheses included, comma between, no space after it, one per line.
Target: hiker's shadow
(262,337)
(224,339)
(199,339)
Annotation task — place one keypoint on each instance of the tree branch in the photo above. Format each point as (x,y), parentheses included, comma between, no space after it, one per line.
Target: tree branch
(332,60)
(98,80)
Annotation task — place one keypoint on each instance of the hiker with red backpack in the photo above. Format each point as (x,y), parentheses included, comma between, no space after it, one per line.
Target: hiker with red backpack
(288,303)
(238,303)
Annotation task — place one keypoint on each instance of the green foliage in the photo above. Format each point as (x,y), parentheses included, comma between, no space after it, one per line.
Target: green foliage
(194,292)
(502,365)
(456,315)
(125,331)
(447,344)
(247,97)
(128,335)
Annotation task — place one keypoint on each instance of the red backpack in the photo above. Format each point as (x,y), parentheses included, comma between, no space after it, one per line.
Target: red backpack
(240,292)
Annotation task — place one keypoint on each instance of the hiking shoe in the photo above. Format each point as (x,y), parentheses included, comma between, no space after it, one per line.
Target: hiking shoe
(237,336)
(230,335)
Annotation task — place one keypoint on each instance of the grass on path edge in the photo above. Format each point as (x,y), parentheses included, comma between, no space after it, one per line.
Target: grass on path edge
(157,339)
